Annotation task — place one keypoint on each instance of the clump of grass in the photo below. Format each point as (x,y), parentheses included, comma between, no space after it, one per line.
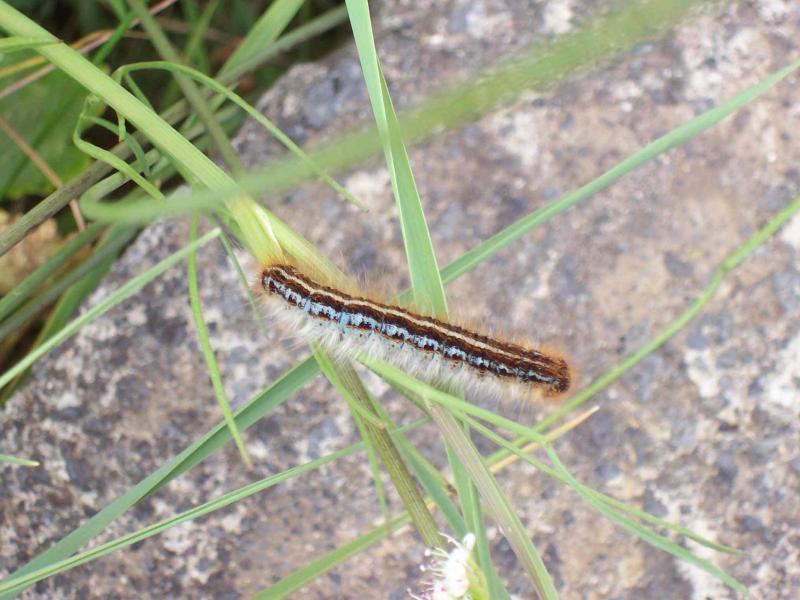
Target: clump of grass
(474,493)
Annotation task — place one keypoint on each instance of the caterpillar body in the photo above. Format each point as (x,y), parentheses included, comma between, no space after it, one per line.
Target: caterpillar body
(346,323)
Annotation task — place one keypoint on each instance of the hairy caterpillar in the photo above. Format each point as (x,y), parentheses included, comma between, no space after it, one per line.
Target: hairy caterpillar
(345,322)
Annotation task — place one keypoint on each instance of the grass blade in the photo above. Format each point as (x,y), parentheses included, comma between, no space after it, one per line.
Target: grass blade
(17,43)
(425,281)
(13,460)
(263,33)
(208,352)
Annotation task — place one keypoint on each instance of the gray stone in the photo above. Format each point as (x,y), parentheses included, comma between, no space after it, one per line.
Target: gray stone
(686,433)
(786,285)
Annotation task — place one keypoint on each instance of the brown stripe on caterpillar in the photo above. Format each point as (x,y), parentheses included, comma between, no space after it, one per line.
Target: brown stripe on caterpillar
(456,346)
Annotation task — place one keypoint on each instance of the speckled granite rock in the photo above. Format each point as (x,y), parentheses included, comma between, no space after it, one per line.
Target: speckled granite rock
(704,431)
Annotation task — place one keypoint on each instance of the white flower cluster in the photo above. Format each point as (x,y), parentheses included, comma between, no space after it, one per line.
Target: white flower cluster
(453,572)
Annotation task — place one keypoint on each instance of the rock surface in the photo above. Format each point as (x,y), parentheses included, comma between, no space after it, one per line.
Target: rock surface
(704,431)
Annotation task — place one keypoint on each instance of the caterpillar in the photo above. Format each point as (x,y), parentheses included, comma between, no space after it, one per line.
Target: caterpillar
(435,351)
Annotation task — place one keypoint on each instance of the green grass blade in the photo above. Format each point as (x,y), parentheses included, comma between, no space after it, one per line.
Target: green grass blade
(13,460)
(474,522)
(208,352)
(194,52)
(252,112)
(100,154)
(123,292)
(16,43)
(196,100)
(650,537)
(264,33)
(425,281)
(264,52)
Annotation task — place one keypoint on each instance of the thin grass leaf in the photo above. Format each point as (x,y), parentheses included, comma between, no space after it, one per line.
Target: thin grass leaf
(650,537)
(263,33)
(13,460)
(194,53)
(473,522)
(106,156)
(425,281)
(196,100)
(208,352)
(16,43)
(120,294)
(264,52)
(432,481)
(246,287)
(512,449)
